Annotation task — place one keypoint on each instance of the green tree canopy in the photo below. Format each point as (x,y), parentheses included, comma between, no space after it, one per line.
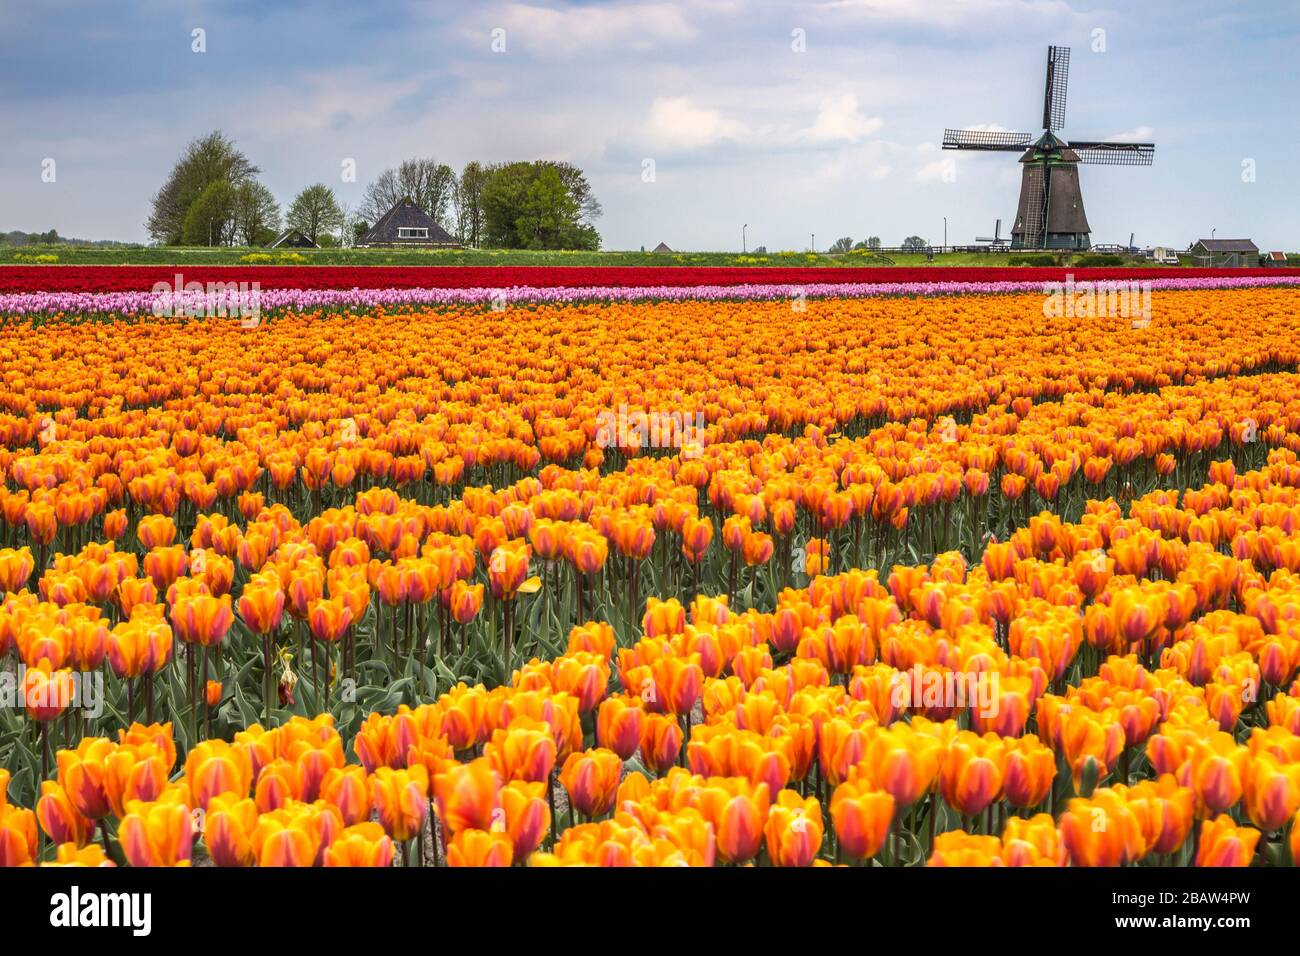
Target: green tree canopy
(210,219)
(469,204)
(538,205)
(257,214)
(314,211)
(206,160)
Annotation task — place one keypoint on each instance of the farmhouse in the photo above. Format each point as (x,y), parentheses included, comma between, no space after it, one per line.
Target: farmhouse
(1225,252)
(1275,259)
(406,224)
(293,239)
(662,247)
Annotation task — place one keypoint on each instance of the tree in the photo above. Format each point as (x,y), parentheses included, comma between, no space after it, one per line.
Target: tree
(842,245)
(538,205)
(914,244)
(207,160)
(548,209)
(257,214)
(469,204)
(430,185)
(210,219)
(349,221)
(314,211)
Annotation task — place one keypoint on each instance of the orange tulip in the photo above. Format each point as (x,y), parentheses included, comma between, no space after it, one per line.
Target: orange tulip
(794,829)
(862,818)
(1223,843)
(970,777)
(526,815)
(363,845)
(661,742)
(59,818)
(480,848)
(591,779)
(1101,831)
(620,723)
(228,827)
(402,800)
(466,601)
(467,796)
(157,834)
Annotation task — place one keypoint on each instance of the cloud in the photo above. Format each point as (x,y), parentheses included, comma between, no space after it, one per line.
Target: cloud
(678,125)
(568,32)
(967,14)
(840,121)
(1143,134)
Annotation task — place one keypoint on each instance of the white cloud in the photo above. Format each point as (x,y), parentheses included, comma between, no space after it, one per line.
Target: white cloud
(840,121)
(1142,134)
(677,124)
(967,13)
(565,33)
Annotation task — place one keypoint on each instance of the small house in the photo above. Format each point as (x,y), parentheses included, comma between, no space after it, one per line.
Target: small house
(1275,259)
(1225,253)
(293,239)
(662,247)
(406,224)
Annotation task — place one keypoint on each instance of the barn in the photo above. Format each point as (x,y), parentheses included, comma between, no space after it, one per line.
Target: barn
(1225,252)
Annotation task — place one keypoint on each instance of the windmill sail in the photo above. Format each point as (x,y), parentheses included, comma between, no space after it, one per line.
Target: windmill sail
(1115,154)
(985,139)
(1058,78)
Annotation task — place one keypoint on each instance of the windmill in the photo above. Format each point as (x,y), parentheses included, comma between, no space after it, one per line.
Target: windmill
(995,241)
(1050,213)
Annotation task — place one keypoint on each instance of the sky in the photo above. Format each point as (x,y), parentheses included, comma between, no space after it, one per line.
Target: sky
(692,118)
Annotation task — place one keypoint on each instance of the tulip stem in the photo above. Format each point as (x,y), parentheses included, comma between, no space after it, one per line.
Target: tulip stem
(550,798)
(192,677)
(266,678)
(433,834)
(45,749)
(207,711)
(315,673)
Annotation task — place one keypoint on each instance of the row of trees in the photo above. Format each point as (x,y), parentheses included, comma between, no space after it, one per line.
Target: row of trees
(872,244)
(213,197)
(847,244)
(519,205)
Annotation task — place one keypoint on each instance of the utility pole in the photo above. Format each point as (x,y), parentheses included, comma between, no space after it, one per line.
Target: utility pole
(743,246)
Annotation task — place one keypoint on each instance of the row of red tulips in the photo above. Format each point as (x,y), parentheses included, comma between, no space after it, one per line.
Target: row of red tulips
(19,279)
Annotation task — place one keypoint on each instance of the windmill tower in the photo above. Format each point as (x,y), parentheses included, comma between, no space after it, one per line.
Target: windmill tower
(1050,214)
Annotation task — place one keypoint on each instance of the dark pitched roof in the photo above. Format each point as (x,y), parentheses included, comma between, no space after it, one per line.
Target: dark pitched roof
(406,215)
(293,239)
(661,248)
(1227,245)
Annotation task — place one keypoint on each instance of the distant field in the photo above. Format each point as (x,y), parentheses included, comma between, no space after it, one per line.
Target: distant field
(196,256)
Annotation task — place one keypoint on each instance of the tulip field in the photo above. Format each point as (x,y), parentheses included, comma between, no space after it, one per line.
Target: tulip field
(647,572)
